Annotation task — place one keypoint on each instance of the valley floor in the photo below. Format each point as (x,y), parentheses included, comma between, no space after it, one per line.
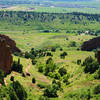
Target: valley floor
(78,79)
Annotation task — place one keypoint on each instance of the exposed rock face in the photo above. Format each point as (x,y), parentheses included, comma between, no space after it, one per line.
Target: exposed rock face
(5,56)
(91,44)
(11,43)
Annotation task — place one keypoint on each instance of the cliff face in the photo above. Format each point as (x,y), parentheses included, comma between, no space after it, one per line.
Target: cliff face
(6,58)
(91,44)
(11,43)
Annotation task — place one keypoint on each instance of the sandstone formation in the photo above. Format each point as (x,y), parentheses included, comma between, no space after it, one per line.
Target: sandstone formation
(5,56)
(91,44)
(11,43)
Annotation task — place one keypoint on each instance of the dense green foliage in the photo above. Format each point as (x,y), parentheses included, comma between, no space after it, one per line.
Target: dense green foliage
(16,66)
(20,91)
(50,66)
(14,91)
(63,55)
(91,65)
(62,71)
(1,77)
(33,80)
(51,91)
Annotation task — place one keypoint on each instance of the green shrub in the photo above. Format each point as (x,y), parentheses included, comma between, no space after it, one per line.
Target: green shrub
(19,90)
(18,54)
(65,79)
(34,61)
(91,65)
(97,74)
(16,66)
(41,68)
(23,74)
(50,92)
(54,81)
(58,83)
(27,55)
(49,54)
(33,80)
(72,44)
(57,76)
(62,55)
(46,31)
(53,49)
(79,61)
(97,89)
(87,61)
(50,74)
(61,49)
(62,71)
(12,78)
(13,91)
(50,66)
(49,60)
(12,94)
(8,93)
(2,77)
(40,85)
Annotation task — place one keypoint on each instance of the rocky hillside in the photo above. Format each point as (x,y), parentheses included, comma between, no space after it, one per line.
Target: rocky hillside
(5,56)
(7,47)
(11,43)
(91,44)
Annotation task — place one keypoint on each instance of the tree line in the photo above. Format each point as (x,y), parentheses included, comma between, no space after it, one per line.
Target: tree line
(50,21)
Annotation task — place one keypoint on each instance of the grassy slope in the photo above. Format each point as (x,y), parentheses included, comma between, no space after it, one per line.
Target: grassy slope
(32,40)
(79,79)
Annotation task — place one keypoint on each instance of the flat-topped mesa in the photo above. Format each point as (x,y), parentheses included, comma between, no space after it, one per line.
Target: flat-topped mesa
(6,58)
(91,44)
(11,43)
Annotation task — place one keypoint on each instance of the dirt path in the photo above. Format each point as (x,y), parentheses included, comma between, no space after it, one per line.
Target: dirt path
(6,78)
(0,85)
(27,68)
(43,79)
(5,81)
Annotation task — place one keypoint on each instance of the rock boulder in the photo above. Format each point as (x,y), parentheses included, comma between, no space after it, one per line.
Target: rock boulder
(6,58)
(91,44)
(11,43)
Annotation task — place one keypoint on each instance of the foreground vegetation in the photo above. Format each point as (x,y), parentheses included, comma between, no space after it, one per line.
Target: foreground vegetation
(59,74)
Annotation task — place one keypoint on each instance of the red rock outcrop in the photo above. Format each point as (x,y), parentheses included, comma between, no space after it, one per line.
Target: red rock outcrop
(91,44)
(11,43)
(6,58)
